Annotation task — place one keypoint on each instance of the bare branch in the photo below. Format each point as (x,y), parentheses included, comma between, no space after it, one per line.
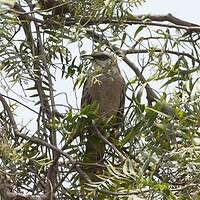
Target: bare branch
(133,51)
(20,103)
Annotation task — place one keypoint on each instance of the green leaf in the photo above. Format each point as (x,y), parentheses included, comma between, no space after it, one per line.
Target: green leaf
(128,168)
(139,29)
(123,39)
(172,80)
(158,112)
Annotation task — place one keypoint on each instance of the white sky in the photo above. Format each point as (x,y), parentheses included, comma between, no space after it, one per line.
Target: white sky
(184,9)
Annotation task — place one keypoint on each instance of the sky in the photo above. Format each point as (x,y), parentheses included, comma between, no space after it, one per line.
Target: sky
(184,9)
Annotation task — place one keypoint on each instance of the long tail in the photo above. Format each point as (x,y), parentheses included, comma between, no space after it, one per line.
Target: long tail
(94,153)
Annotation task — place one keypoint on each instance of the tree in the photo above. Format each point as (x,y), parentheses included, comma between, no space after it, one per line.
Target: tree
(156,154)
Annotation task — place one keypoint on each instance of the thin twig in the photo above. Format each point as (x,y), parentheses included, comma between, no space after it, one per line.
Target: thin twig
(41,142)
(19,103)
(133,51)
(122,157)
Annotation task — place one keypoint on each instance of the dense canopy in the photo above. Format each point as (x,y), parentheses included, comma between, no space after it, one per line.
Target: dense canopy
(156,153)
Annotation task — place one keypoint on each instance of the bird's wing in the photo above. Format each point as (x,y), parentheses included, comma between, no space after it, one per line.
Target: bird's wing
(122,99)
(86,97)
(122,102)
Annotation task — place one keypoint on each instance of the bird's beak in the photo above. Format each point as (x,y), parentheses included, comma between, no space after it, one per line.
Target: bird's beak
(87,56)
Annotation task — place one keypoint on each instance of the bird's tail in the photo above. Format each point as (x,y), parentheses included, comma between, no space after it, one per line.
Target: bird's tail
(93,155)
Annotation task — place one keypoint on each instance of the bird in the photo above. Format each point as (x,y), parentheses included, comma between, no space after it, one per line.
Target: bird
(105,87)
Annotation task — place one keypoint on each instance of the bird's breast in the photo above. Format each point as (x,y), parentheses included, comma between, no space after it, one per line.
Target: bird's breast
(106,90)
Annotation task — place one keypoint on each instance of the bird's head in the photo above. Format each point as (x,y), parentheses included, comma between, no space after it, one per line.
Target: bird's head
(104,60)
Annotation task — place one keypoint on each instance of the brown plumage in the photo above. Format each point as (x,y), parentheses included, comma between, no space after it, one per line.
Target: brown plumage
(106,88)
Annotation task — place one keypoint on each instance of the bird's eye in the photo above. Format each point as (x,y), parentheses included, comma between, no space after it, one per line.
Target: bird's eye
(101,57)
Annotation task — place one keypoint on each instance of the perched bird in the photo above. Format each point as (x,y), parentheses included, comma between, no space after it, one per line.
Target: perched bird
(106,88)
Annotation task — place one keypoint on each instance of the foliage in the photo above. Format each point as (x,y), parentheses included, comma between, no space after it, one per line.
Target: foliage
(160,138)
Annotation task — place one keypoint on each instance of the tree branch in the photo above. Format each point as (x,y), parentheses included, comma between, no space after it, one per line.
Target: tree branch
(151,95)
(41,142)
(136,19)
(140,19)
(133,51)
(122,157)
